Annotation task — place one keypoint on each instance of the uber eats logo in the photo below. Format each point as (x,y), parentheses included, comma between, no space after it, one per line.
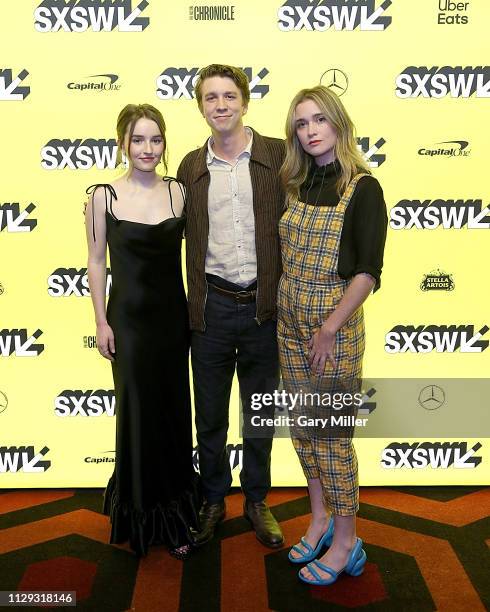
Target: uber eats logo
(322,15)
(439,338)
(10,86)
(441,455)
(23,459)
(20,343)
(65,282)
(447,214)
(79,154)
(85,403)
(81,15)
(175,83)
(435,82)
(13,220)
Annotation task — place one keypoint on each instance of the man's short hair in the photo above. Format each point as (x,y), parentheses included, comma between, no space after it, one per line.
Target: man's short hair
(222,70)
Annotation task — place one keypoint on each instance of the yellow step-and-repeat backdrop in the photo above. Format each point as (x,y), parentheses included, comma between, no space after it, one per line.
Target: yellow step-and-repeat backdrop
(410,73)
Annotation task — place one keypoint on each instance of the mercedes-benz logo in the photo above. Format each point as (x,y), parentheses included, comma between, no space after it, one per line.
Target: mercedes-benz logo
(1,289)
(4,402)
(432,397)
(336,80)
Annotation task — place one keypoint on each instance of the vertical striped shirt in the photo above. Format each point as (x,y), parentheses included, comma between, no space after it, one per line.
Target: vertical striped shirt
(231,242)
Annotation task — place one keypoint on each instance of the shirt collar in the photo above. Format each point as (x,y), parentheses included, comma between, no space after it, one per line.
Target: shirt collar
(211,155)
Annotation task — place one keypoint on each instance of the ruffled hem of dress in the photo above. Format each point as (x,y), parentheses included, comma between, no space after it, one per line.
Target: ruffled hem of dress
(168,524)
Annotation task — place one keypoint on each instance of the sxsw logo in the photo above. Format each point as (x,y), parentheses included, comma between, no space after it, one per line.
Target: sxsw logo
(175,83)
(437,455)
(371,152)
(439,338)
(81,15)
(17,342)
(15,221)
(79,154)
(234,452)
(64,282)
(322,15)
(435,82)
(23,459)
(10,88)
(430,214)
(368,405)
(85,403)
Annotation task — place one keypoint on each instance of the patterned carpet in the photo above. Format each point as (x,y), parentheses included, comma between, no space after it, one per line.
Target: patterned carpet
(427,547)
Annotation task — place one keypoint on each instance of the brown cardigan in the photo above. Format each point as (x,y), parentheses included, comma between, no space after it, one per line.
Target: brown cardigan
(268,204)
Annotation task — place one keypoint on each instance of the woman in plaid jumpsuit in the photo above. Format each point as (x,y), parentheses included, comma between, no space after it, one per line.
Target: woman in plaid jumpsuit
(332,240)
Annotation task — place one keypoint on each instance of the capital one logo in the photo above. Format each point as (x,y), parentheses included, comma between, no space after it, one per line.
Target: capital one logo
(81,15)
(23,459)
(439,338)
(370,152)
(436,455)
(15,221)
(435,82)
(85,403)
(79,154)
(322,15)
(66,282)
(11,88)
(19,343)
(447,214)
(175,83)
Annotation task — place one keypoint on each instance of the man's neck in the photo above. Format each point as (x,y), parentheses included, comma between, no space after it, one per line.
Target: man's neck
(229,146)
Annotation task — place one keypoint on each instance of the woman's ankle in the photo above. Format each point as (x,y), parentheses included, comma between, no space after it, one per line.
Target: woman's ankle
(320,521)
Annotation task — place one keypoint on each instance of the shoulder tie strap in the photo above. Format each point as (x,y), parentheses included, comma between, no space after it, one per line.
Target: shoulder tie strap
(170,180)
(112,195)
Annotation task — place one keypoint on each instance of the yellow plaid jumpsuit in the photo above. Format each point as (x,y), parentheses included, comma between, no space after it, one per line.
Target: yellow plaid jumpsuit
(309,290)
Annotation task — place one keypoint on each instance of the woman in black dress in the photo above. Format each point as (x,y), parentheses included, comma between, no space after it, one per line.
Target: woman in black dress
(153,497)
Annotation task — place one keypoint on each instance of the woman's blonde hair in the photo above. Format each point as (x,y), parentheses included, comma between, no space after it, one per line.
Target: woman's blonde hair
(127,120)
(297,162)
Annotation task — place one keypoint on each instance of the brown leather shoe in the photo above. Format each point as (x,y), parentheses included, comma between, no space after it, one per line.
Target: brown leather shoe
(209,517)
(266,527)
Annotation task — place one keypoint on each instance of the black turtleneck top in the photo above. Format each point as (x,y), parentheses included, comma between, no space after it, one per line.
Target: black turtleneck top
(364,231)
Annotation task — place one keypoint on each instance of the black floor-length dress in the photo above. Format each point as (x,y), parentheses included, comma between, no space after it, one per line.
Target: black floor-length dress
(153,496)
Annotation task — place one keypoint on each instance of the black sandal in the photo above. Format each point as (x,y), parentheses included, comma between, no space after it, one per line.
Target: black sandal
(182,552)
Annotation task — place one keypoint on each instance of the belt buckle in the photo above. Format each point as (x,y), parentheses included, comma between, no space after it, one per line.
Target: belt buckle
(242,295)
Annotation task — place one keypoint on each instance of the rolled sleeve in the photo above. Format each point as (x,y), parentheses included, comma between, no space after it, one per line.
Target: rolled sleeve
(369,229)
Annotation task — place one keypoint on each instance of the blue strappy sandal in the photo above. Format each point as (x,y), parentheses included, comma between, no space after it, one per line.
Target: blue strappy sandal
(355,567)
(325,540)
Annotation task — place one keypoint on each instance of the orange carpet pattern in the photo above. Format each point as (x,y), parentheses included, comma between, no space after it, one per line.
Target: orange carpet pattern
(428,549)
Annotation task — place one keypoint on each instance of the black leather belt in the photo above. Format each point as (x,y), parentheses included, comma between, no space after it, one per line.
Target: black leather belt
(240,297)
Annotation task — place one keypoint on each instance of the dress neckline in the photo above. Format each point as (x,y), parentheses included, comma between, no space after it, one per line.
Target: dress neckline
(141,222)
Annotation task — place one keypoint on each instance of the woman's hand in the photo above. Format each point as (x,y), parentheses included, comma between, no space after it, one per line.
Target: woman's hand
(321,345)
(105,341)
